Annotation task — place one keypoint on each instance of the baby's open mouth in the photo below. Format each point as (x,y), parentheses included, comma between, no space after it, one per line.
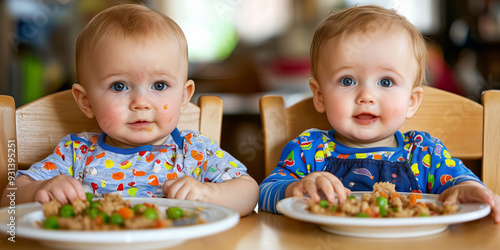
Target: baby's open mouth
(365,117)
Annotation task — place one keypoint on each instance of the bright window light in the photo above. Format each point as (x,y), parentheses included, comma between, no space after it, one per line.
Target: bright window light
(424,14)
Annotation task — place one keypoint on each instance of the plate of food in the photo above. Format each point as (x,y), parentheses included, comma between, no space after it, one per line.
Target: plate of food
(383,213)
(113,222)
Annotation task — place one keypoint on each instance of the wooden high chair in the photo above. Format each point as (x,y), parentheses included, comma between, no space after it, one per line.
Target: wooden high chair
(469,130)
(37,127)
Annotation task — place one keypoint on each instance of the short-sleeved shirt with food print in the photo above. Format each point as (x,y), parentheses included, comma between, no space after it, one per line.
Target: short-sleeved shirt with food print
(140,171)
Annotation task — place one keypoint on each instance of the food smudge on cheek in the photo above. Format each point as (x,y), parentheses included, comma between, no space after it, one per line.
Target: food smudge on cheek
(165,107)
(148,129)
(170,120)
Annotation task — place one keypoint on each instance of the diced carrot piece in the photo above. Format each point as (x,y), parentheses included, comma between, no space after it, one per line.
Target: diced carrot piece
(148,204)
(384,195)
(421,204)
(159,224)
(98,220)
(395,195)
(413,199)
(125,212)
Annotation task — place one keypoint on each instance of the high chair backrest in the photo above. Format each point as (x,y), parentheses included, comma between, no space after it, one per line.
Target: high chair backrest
(469,130)
(38,126)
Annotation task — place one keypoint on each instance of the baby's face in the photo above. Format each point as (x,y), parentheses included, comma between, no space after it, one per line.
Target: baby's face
(137,90)
(364,84)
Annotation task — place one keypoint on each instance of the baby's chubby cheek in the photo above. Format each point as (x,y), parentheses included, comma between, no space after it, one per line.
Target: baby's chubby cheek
(166,114)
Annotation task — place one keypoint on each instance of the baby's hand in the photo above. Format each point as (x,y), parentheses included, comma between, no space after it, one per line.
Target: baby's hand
(471,191)
(63,188)
(186,188)
(328,183)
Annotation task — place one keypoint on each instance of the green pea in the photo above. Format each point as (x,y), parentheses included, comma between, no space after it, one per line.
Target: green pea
(138,207)
(323,203)
(93,212)
(105,217)
(116,219)
(363,215)
(395,209)
(383,211)
(334,209)
(94,204)
(67,211)
(51,222)
(424,215)
(150,213)
(351,197)
(382,201)
(89,197)
(174,213)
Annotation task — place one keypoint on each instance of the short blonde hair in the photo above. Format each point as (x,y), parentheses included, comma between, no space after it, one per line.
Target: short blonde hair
(340,24)
(132,21)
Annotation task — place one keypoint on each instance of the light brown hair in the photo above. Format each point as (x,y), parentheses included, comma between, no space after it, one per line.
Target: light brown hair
(340,24)
(131,21)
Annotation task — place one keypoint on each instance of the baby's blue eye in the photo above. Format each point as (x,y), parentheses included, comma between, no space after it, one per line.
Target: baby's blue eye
(347,81)
(385,83)
(159,86)
(119,86)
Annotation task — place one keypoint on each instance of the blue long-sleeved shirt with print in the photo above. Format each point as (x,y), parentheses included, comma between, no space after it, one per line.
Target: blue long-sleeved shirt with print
(430,161)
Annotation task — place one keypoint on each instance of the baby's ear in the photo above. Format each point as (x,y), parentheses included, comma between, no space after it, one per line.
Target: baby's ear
(417,95)
(187,93)
(81,98)
(317,95)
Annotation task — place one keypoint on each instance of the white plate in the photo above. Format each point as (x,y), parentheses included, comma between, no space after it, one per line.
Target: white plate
(383,227)
(217,219)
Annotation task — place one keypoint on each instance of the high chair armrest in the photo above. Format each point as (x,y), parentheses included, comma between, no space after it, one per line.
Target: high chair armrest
(273,119)
(491,140)
(211,111)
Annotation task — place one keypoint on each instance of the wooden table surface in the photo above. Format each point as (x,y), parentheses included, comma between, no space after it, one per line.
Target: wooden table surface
(264,230)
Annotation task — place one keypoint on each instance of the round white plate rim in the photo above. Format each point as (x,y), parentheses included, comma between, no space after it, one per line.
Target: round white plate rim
(24,229)
(468,212)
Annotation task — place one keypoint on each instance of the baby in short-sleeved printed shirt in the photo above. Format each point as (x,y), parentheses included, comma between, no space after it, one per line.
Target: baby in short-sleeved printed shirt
(131,76)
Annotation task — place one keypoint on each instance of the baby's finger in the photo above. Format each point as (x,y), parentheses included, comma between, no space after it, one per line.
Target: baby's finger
(59,195)
(327,188)
(193,195)
(42,196)
(496,208)
(167,186)
(340,190)
(449,197)
(298,189)
(78,190)
(338,187)
(181,193)
(71,190)
(311,189)
(171,191)
(347,191)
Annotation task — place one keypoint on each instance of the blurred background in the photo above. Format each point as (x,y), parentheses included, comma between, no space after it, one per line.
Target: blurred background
(243,49)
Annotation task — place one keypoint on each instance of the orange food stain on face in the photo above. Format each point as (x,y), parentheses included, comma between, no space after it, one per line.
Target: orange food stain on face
(165,107)
(170,120)
(148,129)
